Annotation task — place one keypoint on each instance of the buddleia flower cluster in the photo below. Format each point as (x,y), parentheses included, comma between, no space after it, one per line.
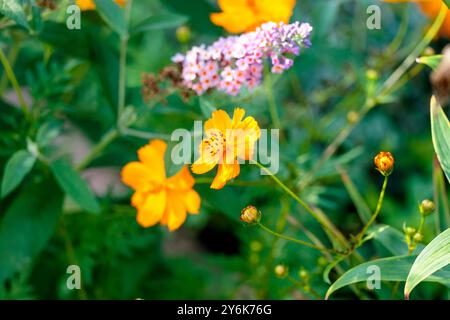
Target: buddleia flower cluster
(235,62)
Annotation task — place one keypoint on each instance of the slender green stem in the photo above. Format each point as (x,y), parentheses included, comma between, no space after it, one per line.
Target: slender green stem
(12,78)
(272,103)
(377,211)
(410,60)
(301,242)
(106,140)
(12,56)
(421,223)
(302,285)
(123,66)
(144,134)
(289,191)
(384,90)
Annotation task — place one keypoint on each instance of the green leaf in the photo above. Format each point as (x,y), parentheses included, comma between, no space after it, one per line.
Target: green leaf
(17,167)
(13,10)
(391,269)
(27,226)
(206,107)
(73,185)
(392,239)
(440,130)
(432,61)
(434,257)
(113,15)
(360,204)
(160,22)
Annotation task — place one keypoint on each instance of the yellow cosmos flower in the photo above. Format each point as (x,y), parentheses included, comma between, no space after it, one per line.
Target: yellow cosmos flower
(158,198)
(245,15)
(431,8)
(90,5)
(226,140)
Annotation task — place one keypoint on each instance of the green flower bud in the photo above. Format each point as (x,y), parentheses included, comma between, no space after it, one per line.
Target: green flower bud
(183,34)
(426,207)
(281,271)
(418,237)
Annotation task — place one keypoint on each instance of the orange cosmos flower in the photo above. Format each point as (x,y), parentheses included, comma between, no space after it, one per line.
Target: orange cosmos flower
(225,141)
(245,15)
(431,8)
(90,5)
(158,198)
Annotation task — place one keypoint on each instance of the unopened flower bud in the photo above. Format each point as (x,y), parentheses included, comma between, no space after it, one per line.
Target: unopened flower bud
(183,34)
(418,237)
(410,231)
(426,207)
(304,275)
(372,74)
(384,162)
(281,271)
(256,246)
(250,215)
(352,117)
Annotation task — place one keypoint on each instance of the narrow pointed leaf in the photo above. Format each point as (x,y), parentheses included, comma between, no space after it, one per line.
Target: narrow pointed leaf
(391,269)
(73,185)
(17,167)
(434,257)
(440,130)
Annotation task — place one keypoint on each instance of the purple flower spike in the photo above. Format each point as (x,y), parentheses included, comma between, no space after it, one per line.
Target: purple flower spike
(234,62)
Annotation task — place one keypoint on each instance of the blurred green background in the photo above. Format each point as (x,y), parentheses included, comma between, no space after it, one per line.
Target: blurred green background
(71,77)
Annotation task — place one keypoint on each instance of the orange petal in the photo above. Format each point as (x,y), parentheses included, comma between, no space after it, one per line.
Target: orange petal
(204,164)
(175,214)
(235,20)
(137,176)
(191,201)
(238,115)
(268,12)
(152,155)
(225,173)
(183,180)
(152,209)
(85,4)
(219,120)
(227,5)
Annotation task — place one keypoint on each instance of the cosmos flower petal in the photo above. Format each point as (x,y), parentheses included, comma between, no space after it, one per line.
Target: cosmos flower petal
(175,211)
(152,210)
(136,175)
(225,173)
(152,156)
(183,180)
(191,201)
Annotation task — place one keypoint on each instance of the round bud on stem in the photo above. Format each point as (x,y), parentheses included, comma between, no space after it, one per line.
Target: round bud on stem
(418,237)
(426,207)
(281,270)
(250,215)
(384,162)
(183,34)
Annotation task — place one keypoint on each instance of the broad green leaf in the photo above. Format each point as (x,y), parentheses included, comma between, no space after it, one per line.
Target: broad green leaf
(113,15)
(447,2)
(159,22)
(206,107)
(434,257)
(432,61)
(17,167)
(391,269)
(73,185)
(27,226)
(440,130)
(392,239)
(13,10)
(359,202)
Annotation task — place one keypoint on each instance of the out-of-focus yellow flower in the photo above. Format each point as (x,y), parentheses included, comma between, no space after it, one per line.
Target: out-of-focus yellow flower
(225,141)
(245,15)
(431,8)
(158,198)
(90,5)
